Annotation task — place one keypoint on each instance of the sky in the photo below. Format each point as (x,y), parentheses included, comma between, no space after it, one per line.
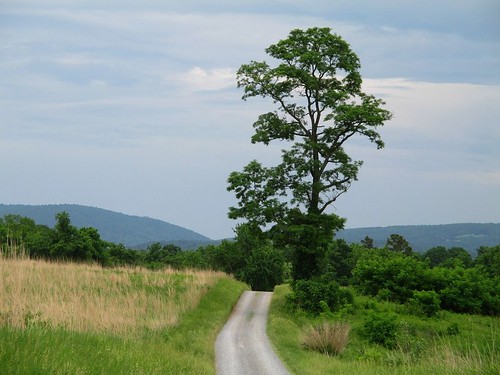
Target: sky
(132,106)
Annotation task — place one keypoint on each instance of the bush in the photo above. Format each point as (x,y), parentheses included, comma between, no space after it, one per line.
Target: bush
(425,302)
(392,276)
(264,268)
(327,338)
(453,329)
(316,294)
(381,328)
(465,290)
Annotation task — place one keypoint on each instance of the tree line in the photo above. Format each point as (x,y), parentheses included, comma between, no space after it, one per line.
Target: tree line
(439,278)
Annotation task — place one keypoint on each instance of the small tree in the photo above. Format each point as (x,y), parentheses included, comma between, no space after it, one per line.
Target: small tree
(488,259)
(399,244)
(367,242)
(66,239)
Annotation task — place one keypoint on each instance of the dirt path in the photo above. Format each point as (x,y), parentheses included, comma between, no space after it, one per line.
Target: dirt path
(242,347)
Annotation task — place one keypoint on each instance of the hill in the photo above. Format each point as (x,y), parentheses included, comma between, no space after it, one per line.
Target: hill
(423,237)
(139,232)
(132,231)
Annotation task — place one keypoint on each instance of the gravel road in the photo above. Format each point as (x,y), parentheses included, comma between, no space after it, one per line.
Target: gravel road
(242,347)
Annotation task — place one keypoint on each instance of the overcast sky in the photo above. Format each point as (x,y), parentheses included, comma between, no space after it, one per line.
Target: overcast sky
(132,106)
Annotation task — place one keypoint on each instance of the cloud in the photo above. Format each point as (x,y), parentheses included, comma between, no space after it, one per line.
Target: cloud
(198,79)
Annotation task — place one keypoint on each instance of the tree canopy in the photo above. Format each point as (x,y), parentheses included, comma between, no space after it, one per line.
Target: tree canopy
(316,86)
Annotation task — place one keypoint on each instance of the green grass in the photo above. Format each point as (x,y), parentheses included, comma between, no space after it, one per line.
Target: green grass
(187,348)
(425,345)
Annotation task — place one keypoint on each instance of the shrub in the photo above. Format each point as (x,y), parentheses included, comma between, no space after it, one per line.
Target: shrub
(327,338)
(425,302)
(453,329)
(395,276)
(381,328)
(264,268)
(315,294)
(470,291)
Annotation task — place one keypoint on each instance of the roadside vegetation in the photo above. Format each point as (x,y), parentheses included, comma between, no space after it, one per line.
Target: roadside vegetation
(371,336)
(59,318)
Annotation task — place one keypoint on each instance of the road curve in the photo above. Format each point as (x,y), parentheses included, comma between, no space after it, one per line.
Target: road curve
(242,347)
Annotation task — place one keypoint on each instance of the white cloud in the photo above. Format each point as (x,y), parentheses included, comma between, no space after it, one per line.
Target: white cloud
(198,79)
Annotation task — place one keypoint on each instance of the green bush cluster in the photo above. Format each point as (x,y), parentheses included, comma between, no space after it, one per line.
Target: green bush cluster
(319,294)
(406,278)
(426,302)
(64,241)
(381,328)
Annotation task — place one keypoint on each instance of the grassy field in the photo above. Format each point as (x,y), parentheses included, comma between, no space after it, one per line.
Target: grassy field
(446,344)
(58,318)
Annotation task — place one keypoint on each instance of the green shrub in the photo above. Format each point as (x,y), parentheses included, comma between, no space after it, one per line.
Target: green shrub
(381,328)
(390,275)
(426,302)
(469,291)
(264,268)
(453,329)
(316,294)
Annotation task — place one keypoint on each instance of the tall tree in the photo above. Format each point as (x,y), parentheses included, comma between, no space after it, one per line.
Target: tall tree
(316,86)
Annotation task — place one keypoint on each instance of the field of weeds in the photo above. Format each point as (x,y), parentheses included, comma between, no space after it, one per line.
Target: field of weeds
(50,310)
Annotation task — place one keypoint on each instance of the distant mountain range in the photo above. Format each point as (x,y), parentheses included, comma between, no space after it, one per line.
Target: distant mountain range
(423,237)
(139,232)
(132,231)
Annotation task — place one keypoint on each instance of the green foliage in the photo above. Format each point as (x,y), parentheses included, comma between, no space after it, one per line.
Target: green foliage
(450,258)
(398,243)
(488,260)
(453,329)
(307,238)
(368,242)
(390,274)
(64,242)
(341,260)
(251,258)
(316,85)
(425,302)
(469,291)
(396,277)
(119,255)
(318,295)
(422,345)
(264,268)
(381,328)
(164,255)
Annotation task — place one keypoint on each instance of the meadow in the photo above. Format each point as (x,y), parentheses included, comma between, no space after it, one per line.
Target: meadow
(448,343)
(59,318)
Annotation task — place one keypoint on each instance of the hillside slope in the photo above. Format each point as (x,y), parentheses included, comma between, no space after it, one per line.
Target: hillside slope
(424,237)
(139,232)
(132,231)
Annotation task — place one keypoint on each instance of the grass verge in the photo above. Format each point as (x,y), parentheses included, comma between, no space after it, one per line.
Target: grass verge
(39,346)
(424,345)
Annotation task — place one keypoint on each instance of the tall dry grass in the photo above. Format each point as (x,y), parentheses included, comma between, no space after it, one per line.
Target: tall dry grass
(470,355)
(327,338)
(80,297)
